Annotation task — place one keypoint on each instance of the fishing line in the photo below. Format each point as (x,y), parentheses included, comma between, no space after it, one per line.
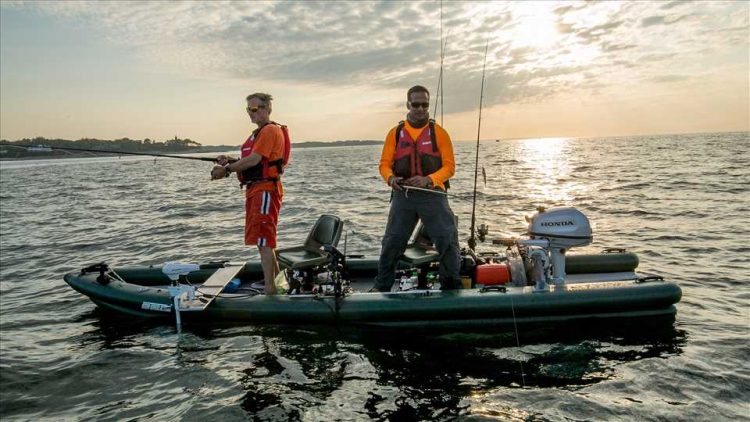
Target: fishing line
(440,75)
(472,240)
(518,342)
(442,56)
(440,92)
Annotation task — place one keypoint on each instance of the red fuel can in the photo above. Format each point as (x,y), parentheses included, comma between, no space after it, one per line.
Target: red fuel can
(493,274)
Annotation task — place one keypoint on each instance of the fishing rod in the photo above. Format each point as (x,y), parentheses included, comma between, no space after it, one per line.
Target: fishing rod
(44,148)
(472,240)
(437,192)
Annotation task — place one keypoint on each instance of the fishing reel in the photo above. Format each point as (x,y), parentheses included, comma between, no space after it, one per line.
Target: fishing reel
(335,269)
(324,280)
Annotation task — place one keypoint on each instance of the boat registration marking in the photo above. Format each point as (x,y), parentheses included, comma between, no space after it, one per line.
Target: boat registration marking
(595,286)
(151,306)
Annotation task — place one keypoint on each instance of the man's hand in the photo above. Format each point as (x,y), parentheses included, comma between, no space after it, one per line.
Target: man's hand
(218,172)
(223,160)
(395,183)
(423,182)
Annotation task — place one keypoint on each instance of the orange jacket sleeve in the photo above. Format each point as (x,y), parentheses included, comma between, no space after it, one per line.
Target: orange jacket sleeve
(388,154)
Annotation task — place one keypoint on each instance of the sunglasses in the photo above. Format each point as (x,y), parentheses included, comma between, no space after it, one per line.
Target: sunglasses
(418,105)
(254,109)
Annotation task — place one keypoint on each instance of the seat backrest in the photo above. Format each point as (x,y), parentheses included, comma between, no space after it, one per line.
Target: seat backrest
(326,231)
(421,237)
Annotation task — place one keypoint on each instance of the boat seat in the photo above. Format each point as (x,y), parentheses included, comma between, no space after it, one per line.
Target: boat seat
(326,231)
(420,251)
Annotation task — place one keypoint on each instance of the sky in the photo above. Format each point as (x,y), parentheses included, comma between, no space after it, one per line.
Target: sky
(340,70)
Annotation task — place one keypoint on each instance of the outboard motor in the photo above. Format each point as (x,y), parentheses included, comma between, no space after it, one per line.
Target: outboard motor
(551,233)
(175,270)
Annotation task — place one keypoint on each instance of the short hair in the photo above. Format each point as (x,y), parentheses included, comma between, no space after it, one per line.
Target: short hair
(416,88)
(266,98)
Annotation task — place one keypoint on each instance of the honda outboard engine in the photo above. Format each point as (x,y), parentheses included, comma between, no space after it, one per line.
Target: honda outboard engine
(551,233)
(563,227)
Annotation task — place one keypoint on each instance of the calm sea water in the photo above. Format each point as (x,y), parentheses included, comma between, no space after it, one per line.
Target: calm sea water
(681,202)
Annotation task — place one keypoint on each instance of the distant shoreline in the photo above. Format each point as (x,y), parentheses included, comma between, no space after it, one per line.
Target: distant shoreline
(61,154)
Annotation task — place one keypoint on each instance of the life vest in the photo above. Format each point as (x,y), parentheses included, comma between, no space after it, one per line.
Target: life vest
(265,170)
(417,157)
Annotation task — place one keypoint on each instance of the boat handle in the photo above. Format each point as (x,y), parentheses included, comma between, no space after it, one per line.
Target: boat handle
(500,289)
(614,250)
(649,278)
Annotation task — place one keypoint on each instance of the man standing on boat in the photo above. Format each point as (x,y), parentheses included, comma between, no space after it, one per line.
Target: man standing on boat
(418,153)
(259,169)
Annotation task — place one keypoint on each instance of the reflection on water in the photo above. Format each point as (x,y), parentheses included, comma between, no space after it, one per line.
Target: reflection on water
(546,162)
(314,372)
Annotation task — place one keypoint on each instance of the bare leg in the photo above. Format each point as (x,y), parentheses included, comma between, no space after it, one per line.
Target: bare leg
(270,268)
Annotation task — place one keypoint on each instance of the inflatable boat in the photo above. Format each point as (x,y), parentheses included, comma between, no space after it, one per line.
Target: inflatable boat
(534,279)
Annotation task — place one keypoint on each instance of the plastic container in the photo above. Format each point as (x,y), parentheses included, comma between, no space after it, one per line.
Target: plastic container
(232,286)
(493,274)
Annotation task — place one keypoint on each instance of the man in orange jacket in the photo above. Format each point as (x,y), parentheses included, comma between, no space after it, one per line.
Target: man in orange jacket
(259,170)
(418,153)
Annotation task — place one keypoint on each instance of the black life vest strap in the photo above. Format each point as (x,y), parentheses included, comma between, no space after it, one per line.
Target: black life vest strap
(398,132)
(279,164)
(252,182)
(433,136)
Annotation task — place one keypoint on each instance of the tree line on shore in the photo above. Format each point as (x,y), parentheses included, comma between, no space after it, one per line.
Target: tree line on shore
(174,145)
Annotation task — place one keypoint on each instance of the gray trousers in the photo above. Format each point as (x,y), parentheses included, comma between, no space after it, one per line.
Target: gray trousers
(440,223)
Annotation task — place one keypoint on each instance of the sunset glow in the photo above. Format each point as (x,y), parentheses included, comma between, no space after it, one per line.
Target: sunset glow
(555,68)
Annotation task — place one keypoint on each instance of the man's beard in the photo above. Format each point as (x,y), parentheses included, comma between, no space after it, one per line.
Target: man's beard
(417,123)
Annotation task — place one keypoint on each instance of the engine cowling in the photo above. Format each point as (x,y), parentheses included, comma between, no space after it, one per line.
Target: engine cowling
(564,227)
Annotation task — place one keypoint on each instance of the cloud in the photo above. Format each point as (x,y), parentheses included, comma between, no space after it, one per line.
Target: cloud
(396,44)
(609,47)
(662,20)
(673,4)
(671,78)
(652,20)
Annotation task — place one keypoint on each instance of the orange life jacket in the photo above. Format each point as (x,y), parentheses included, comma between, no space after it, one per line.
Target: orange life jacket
(265,170)
(417,157)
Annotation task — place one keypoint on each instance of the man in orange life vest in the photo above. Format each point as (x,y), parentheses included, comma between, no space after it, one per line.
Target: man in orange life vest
(259,170)
(418,153)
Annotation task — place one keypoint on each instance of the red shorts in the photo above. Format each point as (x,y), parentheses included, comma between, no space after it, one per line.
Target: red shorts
(261,217)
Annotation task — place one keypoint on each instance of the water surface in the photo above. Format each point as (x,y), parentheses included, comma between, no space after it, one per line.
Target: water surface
(679,201)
